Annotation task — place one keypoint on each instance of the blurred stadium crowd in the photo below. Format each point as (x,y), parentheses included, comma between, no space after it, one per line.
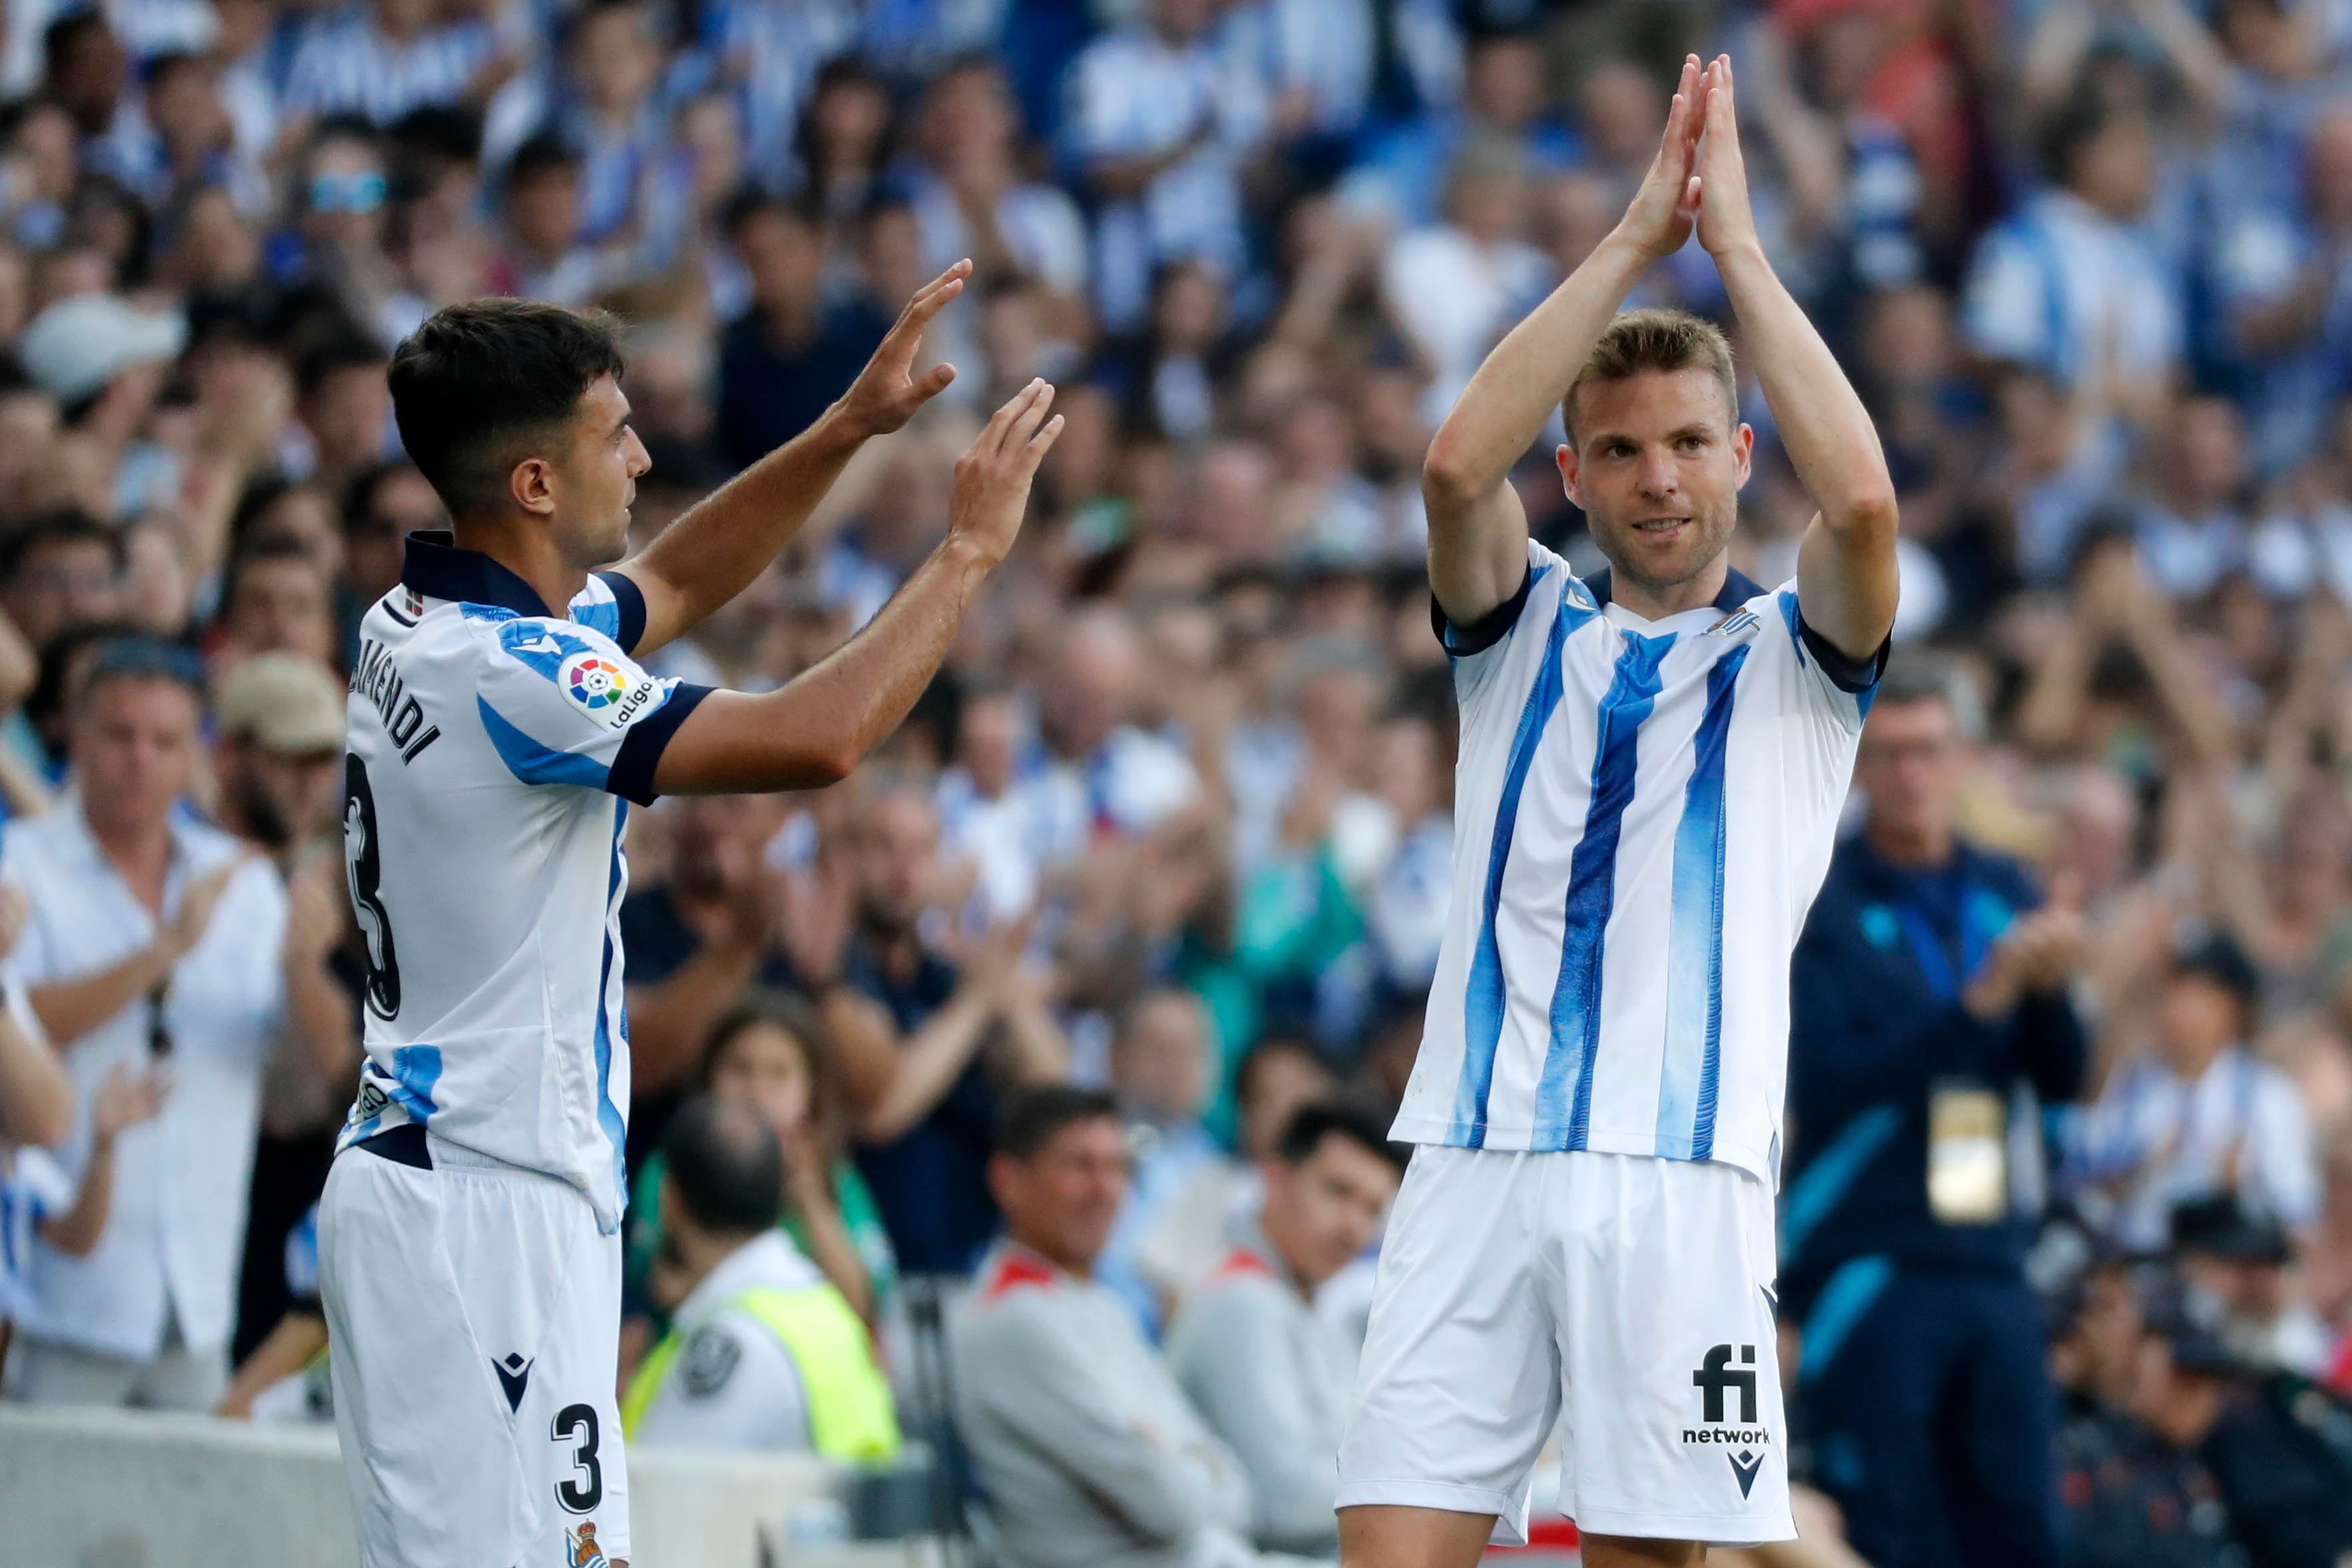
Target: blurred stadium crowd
(1175,822)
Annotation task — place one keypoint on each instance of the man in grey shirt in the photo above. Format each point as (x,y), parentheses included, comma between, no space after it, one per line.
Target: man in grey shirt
(1088,1453)
(1270,1375)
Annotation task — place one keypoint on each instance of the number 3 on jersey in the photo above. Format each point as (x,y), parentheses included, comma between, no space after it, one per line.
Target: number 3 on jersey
(363,865)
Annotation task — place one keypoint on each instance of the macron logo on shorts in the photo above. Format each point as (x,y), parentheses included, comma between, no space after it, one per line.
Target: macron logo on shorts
(1715,1379)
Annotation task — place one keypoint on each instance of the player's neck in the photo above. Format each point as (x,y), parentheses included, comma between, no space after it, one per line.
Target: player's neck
(1655,605)
(1923,849)
(528,551)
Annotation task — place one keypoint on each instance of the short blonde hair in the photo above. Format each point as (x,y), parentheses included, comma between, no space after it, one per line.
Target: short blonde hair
(1643,341)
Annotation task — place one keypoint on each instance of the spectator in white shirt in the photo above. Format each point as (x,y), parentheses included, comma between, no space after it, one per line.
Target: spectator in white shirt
(1158,125)
(2074,284)
(1097,774)
(2192,530)
(153,936)
(971,198)
(384,58)
(2200,1115)
(985,826)
(1456,288)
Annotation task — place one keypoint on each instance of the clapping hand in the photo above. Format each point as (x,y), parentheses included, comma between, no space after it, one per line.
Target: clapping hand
(1659,220)
(1726,223)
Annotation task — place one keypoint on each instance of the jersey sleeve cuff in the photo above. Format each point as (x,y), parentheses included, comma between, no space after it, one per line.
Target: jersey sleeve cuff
(1848,673)
(632,775)
(1487,630)
(629,604)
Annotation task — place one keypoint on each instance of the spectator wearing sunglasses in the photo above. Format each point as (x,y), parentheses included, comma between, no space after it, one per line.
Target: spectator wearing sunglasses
(152,938)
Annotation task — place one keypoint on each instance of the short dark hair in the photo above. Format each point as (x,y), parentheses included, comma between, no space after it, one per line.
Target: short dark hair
(478,381)
(1030,1116)
(2078,122)
(725,1166)
(145,658)
(261,549)
(1337,1117)
(63,526)
(1254,1060)
(338,351)
(1915,678)
(547,152)
(359,495)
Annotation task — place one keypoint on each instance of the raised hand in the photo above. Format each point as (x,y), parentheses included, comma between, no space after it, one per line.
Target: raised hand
(1726,222)
(991,479)
(1660,216)
(886,392)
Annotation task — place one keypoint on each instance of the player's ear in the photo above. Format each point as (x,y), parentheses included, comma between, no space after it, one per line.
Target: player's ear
(531,484)
(1743,450)
(1566,457)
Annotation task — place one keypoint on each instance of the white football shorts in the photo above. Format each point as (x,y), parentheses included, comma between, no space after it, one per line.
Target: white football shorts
(473,1312)
(1626,1297)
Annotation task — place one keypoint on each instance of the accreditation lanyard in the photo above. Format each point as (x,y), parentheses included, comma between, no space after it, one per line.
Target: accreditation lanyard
(1934,957)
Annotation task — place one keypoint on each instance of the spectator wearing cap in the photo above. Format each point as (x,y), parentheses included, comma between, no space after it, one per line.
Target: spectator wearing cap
(2198,1114)
(2133,1501)
(1928,1009)
(103,359)
(2236,1265)
(1085,1445)
(2278,1448)
(763,1352)
(1270,1374)
(155,938)
(278,759)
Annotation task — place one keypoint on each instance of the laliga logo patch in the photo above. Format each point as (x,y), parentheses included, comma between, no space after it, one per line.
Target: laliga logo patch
(594,684)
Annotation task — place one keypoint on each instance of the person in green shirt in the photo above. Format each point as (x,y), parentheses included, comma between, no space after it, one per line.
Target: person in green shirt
(771,1053)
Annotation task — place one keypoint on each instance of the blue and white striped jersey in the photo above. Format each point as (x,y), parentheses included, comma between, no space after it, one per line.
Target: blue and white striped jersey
(491,750)
(1644,812)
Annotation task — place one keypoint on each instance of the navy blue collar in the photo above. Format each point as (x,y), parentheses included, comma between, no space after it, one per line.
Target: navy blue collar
(438,568)
(1738,589)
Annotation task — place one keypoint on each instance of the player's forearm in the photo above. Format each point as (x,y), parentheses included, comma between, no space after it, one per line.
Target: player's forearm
(815,730)
(69,1010)
(1818,414)
(1504,406)
(36,1095)
(716,550)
